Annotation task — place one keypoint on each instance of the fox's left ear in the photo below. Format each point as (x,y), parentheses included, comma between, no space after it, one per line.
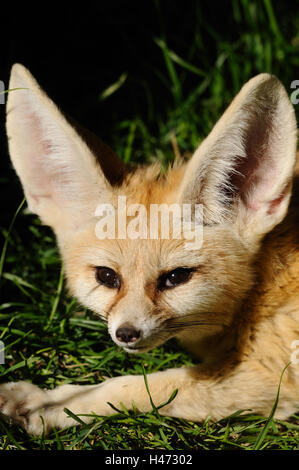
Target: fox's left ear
(242,172)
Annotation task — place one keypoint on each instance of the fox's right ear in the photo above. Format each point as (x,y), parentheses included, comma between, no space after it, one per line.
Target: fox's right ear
(242,172)
(62,180)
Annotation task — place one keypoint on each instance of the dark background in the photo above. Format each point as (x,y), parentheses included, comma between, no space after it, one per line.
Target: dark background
(75,51)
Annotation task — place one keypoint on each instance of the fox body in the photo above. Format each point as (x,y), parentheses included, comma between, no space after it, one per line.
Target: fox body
(234,303)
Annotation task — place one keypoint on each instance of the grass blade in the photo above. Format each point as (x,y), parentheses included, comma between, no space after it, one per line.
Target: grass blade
(114,87)
(4,249)
(269,421)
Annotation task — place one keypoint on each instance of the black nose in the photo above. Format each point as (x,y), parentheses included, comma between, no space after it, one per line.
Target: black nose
(127,334)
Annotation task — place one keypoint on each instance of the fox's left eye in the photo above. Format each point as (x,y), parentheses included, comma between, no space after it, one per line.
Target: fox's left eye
(174,278)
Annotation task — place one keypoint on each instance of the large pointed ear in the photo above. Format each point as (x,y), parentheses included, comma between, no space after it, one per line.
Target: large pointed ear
(62,180)
(243,169)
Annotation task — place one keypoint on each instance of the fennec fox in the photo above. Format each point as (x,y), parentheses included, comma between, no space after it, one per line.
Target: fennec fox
(233,302)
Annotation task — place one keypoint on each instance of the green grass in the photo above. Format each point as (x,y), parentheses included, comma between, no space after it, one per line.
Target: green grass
(49,338)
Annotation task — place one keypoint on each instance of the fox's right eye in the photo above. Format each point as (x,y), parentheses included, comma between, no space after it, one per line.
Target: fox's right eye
(174,278)
(108,277)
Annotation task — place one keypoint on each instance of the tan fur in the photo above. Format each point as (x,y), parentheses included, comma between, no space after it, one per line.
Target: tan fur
(238,313)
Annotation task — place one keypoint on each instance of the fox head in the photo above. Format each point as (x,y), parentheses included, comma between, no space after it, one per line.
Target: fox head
(151,289)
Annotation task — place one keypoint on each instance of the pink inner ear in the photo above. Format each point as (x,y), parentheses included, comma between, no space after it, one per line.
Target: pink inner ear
(47,147)
(38,151)
(257,172)
(256,183)
(276,202)
(44,145)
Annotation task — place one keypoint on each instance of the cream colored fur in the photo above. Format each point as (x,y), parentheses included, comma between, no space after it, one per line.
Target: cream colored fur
(238,312)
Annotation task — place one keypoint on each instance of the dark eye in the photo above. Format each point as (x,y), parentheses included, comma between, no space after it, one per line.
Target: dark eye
(108,277)
(174,278)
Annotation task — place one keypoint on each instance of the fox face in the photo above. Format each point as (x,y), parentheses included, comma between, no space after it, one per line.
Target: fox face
(151,289)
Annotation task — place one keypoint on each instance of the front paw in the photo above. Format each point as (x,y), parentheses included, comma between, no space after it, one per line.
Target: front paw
(21,403)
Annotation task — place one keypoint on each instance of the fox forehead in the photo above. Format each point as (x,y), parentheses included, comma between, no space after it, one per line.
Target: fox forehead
(146,259)
(152,184)
(145,186)
(133,255)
